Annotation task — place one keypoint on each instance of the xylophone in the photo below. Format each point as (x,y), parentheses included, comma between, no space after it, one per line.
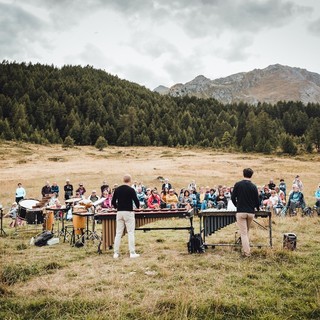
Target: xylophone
(212,220)
(143,217)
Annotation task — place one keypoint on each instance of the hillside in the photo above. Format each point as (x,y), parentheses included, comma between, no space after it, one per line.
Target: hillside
(43,104)
(272,84)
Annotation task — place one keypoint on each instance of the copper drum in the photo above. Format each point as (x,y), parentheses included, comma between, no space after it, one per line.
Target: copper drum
(79,224)
(49,221)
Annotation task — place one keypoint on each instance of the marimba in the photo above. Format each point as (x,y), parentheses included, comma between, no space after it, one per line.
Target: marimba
(142,217)
(212,220)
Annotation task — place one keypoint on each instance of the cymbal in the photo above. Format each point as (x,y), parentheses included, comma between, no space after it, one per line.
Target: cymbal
(73,200)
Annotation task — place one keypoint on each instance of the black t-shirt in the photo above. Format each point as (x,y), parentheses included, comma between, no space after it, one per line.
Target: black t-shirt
(123,197)
(245,196)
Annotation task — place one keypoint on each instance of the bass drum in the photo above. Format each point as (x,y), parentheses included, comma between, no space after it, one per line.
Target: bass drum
(28,213)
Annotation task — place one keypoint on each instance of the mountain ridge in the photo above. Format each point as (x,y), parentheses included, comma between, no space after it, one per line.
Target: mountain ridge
(271,84)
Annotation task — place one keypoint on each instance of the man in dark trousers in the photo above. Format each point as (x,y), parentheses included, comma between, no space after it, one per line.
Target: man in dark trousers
(246,199)
(122,200)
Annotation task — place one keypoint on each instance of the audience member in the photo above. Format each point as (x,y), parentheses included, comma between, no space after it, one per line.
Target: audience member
(104,187)
(271,184)
(68,190)
(20,193)
(154,200)
(296,200)
(172,199)
(298,182)
(141,197)
(81,190)
(166,184)
(186,200)
(46,189)
(93,196)
(55,188)
(283,187)
(221,200)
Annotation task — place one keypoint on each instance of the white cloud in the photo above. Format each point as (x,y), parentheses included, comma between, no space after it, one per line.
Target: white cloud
(156,42)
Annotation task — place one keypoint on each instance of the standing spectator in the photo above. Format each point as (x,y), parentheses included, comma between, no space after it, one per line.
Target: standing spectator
(123,198)
(246,200)
(271,184)
(192,185)
(55,188)
(166,184)
(298,182)
(46,189)
(81,190)
(135,186)
(20,193)
(68,190)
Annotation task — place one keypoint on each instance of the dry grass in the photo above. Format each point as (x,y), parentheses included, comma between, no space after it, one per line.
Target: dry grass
(64,282)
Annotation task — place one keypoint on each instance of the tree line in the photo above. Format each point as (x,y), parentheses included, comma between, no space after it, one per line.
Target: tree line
(81,105)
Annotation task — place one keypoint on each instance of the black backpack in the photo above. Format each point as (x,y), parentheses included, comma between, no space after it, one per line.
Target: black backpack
(195,244)
(43,238)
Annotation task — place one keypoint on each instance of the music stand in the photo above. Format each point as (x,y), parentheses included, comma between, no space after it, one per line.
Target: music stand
(2,232)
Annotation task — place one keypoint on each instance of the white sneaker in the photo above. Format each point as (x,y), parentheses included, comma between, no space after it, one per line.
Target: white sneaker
(134,255)
(115,255)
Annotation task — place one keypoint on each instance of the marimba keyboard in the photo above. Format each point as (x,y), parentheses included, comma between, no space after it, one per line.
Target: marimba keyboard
(212,220)
(142,217)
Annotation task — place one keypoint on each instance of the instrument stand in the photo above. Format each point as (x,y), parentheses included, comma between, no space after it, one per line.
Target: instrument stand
(2,232)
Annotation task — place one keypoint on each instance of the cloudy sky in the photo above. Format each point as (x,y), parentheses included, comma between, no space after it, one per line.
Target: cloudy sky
(155,42)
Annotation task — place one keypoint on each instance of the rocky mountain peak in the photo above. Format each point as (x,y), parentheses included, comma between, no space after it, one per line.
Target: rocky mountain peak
(272,84)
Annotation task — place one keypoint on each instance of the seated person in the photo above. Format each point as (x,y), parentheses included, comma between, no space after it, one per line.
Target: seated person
(141,197)
(54,201)
(186,200)
(210,198)
(172,199)
(227,193)
(163,197)
(282,196)
(106,204)
(93,196)
(221,200)
(154,200)
(296,200)
(201,202)
(12,212)
(265,195)
(273,202)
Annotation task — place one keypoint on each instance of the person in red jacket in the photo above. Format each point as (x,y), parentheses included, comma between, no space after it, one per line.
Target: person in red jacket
(154,200)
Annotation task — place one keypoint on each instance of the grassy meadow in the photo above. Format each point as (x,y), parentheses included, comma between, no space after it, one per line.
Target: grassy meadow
(65,282)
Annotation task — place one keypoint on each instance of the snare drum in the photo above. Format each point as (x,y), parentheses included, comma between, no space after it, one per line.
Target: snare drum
(28,212)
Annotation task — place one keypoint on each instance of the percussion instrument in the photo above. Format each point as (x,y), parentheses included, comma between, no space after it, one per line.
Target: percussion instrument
(30,211)
(48,221)
(212,220)
(78,220)
(142,217)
